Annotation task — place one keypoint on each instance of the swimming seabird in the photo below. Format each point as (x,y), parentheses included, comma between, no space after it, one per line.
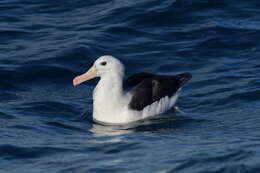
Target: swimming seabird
(149,94)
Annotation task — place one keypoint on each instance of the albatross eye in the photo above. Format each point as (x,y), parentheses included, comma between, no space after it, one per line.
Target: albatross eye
(103,63)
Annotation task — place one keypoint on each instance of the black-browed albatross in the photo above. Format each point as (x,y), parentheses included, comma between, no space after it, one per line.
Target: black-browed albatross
(149,95)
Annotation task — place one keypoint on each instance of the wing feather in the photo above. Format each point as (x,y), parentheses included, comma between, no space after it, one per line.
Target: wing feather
(155,87)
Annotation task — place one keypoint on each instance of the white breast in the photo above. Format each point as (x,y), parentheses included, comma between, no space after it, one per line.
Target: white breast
(120,113)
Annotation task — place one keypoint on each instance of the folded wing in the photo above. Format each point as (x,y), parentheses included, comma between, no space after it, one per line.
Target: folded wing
(149,88)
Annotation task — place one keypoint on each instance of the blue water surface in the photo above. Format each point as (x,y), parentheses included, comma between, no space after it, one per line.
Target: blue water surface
(46,125)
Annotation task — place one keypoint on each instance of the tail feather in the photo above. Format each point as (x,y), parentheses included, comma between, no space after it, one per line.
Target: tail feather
(183,78)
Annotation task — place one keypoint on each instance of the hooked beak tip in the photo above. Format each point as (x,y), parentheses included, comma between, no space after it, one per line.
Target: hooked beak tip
(75,82)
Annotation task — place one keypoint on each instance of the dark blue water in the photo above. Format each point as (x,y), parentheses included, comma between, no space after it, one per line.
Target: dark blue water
(45,123)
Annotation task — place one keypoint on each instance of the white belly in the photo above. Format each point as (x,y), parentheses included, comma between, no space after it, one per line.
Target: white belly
(112,113)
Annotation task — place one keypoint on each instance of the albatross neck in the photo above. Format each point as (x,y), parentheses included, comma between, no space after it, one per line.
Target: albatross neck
(111,83)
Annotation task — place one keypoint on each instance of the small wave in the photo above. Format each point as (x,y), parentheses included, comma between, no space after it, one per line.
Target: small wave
(12,152)
(227,161)
(65,127)
(10,35)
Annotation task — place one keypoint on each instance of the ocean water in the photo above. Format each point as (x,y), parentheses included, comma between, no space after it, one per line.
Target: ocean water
(46,125)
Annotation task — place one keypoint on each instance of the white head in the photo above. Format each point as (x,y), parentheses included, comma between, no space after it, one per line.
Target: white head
(104,65)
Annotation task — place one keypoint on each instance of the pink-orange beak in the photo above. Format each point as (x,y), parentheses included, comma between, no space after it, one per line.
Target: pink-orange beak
(90,74)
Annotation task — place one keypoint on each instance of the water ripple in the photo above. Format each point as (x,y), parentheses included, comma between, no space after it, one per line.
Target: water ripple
(46,123)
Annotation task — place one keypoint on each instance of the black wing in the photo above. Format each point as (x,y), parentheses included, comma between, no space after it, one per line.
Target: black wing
(135,79)
(155,87)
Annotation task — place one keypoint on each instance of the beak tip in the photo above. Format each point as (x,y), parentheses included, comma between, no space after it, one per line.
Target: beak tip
(75,82)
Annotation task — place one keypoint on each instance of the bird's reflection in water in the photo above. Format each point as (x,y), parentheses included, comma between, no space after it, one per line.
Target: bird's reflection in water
(152,125)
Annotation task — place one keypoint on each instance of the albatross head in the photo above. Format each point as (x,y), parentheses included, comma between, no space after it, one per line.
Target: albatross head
(104,65)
